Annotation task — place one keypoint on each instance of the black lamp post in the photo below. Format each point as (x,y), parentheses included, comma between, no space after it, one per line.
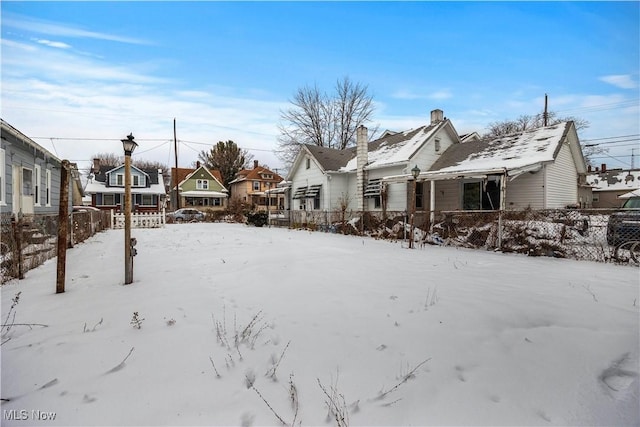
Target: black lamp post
(415,172)
(129,146)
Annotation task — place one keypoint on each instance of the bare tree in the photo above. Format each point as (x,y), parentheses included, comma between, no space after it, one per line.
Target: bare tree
(323,120)
(227,158)
(113,160)
(525,122)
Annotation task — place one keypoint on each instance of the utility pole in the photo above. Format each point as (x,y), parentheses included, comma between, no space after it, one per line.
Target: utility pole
(63,221)
(545,115)
(175,178)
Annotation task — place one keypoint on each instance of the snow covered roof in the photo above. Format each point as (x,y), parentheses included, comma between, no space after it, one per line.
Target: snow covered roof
(630,194)
(614,180)
(94,186)
(517,153)
(395,148)
(390,149)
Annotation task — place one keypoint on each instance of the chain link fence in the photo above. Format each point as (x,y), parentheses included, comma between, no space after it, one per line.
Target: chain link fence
(602,235)
(30,240)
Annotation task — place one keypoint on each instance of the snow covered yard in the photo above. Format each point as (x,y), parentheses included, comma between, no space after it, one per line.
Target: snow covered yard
(242,326)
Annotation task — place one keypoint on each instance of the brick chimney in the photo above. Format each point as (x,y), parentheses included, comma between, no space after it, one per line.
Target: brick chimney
(197,164)
(436,116)
(255,164)
(603,167)
(96,166)
(362,158)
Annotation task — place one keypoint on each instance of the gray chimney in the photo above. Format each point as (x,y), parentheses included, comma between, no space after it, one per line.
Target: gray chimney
(255,164)
(436,116)
(362,148)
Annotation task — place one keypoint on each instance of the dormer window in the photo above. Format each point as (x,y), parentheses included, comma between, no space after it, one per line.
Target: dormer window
(267,176)
(202,184)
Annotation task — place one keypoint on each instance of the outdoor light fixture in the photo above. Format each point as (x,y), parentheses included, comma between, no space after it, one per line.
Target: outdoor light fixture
(129,145)
(415,171)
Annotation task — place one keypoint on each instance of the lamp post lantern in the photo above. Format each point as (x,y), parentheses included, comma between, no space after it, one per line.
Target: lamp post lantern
(129,146)
(415,172)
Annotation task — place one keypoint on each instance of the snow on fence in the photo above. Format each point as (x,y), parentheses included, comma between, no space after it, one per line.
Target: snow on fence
(30,240)
(139,219)
(563,233)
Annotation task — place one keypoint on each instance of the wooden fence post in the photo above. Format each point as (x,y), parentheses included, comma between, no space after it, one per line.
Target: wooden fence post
(63,223)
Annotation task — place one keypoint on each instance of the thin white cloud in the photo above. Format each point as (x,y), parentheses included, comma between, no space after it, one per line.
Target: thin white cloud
(59,45)
(410,95)
(10,20)
(623,81)
(441,94)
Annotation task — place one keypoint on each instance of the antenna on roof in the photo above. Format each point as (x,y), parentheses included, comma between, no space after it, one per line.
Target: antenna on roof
(545,115)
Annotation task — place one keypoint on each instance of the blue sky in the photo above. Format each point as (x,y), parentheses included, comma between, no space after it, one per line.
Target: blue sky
(79,76)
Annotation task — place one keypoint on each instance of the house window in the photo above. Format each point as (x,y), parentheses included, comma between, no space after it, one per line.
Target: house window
(376,202)
(419,198)
(36,187)
(202,184)
(2,166)
(256,185)
(135,180)
(109,199)
(481,195)
(120,180)
(596,197)
(267,176)
(48,187)
(437,145)
(27,182)
(308,163)
(147,200)
(216,201)
(303,204)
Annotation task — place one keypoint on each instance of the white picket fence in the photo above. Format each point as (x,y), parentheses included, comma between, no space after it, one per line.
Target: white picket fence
(139,219)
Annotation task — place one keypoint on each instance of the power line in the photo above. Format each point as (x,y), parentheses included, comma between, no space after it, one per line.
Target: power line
(611,137)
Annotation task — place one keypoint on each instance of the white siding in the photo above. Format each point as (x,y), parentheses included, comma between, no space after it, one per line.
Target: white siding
(304,177)
(526,191)
(447,195)
(562,180)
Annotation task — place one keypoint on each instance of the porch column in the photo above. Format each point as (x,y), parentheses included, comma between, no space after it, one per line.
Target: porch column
(432,205)
(503,205)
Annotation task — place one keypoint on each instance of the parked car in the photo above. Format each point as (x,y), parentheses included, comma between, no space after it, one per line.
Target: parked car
(624,225)
(85,209)
(186,214)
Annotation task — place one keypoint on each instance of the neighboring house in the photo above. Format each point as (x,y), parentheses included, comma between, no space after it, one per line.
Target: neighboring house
(254,187)
(329,179)
(538,169)
(608,185)
(105,186)
(29,176)
(198,188)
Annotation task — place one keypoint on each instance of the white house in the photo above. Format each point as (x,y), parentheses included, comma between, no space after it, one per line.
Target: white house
(538,169)
(325,179)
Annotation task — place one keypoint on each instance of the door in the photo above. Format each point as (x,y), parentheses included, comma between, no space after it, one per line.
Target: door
(22,190)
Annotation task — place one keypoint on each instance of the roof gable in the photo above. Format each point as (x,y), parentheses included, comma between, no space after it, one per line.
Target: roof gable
(202,173)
